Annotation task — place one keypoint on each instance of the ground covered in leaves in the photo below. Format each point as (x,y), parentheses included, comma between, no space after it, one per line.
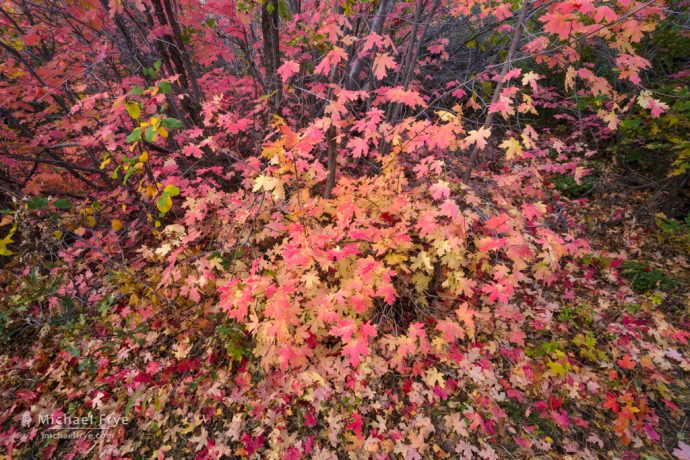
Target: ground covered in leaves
(587,358)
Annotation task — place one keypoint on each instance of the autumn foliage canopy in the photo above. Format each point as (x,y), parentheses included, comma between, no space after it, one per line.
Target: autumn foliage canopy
(332,229)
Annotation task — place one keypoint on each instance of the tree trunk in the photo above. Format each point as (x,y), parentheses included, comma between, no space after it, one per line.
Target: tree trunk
(517,33)
(271,41)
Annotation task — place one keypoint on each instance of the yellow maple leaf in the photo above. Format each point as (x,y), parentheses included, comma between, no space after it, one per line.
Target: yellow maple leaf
(512,147)
(434,377)
(133,109)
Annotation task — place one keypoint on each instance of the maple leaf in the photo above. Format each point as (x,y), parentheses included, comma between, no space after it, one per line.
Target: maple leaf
(498,292)
(647,102)
(558,23)
(382,64)
(512,147)
(499,223)
(682,451)
(580,172)
(407,97)
(451,330)
(517,336)
(359,146)
(182,349)
(269,184)
(345,330)
(561,418)
(195,132)
(192,150)
(475,418)
(529,136)
(356,424)
(332,59)
(466,315)
(449,208)
(610,118)
(455,423)
(504,106)
(115,7)
(605,14)
(627,363)
(372,40)
(478,137)
(152,368)
(288,69)
(512,73)
(570,78)
(433,377)
(533,210)
(537,45)
(234,127)
(440,190)
(657,107)
(359,346)
(531,79)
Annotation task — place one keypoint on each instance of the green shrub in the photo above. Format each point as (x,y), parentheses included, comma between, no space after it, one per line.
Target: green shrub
(643,277)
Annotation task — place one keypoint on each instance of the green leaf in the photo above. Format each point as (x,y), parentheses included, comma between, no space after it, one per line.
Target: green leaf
(130,403)
(164,203)
(631,123)
(62,203)
(224,329)
(37,202)
(149,72)
(130,171)
(73,351)
(87,363)
(171,190)
(171,123)
(150,134)
(134,135)
(136,91)
(164,87)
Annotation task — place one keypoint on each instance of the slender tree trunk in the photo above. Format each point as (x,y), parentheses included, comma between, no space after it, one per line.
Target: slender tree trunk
(179,60)
(332,157)
(517,33)
(351,82)
(376,28)
(411,57)
(271,41)
(676,188)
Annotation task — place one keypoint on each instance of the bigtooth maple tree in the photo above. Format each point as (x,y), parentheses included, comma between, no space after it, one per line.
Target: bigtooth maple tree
(285,229)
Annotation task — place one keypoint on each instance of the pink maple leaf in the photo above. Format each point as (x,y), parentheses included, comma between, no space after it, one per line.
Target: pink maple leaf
(450,329)
(682,452)
(288,69)
(332,59)
(466,315)
(561,418)
(359,146)
(382,64)
(192,150)
(440,190)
